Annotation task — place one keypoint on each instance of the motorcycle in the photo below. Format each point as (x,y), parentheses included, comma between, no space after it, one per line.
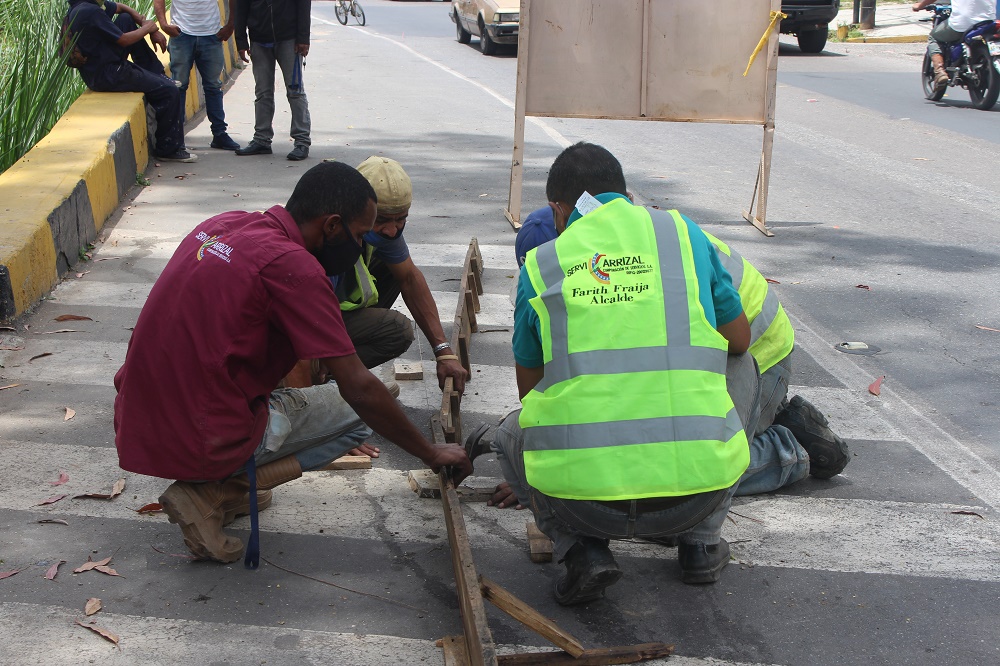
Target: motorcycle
(969,63)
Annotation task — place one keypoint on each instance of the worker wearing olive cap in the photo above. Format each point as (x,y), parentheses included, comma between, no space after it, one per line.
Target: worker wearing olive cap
(383,272)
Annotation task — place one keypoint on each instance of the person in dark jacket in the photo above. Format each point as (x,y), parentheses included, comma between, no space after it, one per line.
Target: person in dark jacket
(107,34)
(279,33)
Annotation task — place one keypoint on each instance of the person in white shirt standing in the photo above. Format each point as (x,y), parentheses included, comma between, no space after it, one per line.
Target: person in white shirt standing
(196,35)
(964,15)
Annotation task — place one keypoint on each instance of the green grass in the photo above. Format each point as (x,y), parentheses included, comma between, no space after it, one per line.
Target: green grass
(36,87)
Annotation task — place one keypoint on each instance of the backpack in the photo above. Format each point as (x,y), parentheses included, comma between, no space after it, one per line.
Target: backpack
(68,50)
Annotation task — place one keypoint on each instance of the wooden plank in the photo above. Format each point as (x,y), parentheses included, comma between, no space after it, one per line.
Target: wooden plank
(626,654)
(350,462)
(513,210)
(455,653)
(424,483)
(529,617)
(403,370)
(539,545)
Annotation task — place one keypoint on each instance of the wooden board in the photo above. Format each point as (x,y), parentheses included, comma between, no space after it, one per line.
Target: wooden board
(529,617)
(454,650)
(350,462)
(628,654)
(539,545)
(403,370)
(425,484)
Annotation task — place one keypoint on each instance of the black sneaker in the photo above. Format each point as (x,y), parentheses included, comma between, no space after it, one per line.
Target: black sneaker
(828,454)
(254,148)
(180,155)
(702,564)
(298,153)
(590,568)
(224,142)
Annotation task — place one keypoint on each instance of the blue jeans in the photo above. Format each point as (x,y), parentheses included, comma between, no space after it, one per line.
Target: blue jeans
(565,521)
(314,424)
(263,59)
(206,53)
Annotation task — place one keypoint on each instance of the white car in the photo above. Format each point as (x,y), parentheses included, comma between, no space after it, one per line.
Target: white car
(493,21)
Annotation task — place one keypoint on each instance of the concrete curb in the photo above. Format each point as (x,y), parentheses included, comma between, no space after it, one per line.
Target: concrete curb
(893,39)
(58,196)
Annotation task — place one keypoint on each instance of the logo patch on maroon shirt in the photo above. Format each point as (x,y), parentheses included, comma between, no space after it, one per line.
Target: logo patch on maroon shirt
(213,245)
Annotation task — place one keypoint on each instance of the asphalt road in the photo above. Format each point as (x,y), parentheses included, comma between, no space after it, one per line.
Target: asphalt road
(897,561)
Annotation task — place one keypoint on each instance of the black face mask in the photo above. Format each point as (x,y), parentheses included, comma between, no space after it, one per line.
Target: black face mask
(338,258)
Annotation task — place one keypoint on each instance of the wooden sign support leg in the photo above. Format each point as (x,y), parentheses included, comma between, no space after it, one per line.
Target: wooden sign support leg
(759,219)
(513,210)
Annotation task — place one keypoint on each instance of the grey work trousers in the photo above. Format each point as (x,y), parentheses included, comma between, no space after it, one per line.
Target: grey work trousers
(263,60)
(566,521)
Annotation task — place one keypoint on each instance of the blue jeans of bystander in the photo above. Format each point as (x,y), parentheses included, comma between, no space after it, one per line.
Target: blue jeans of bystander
(205,52)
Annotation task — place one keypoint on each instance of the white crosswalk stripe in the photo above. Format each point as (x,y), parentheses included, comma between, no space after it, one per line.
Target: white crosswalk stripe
(926,540)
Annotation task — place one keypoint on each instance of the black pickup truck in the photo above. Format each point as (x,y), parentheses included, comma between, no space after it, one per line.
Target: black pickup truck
(809,21)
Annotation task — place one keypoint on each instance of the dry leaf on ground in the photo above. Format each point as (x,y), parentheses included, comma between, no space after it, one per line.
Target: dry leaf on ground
(72,317)
(153,507)
(92,606)
(57,521)
(90,564)
(967,513)
(863,286)
(8,574)
(63,478)
(61,330)
(54,570)
(103,632)
(8,386)
(70,413)
(42,355)
(875,388)
(982,328)
(106,570)
(52,500)
(771,281)
(5,348)
(116,490)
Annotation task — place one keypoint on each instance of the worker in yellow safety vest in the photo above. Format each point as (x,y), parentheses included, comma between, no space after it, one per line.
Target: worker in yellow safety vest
(637,395)
(382,273)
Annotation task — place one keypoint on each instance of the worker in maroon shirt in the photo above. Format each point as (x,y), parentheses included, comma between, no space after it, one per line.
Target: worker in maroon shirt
(243,297)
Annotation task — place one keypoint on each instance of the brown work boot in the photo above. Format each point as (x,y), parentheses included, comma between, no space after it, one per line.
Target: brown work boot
(263,501)
(940,76)
(200,510)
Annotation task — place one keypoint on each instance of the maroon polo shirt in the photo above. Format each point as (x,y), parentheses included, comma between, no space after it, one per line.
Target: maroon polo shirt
(238,304)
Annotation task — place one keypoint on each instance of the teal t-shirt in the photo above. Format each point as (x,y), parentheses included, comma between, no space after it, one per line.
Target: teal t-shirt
(718,297)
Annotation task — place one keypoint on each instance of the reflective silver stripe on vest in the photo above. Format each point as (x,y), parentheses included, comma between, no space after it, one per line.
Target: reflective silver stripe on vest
(732,263)
(565,366)
(625,433)
(364,281)
(763,321)
(613,361)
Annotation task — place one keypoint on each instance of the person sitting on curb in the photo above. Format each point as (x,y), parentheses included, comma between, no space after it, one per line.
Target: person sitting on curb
(653,320)
(196,37)
(278,35)
(106,44)
(243,297)
(964,15)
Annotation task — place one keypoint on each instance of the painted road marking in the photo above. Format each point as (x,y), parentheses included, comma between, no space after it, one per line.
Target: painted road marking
(914,539)
(153,641)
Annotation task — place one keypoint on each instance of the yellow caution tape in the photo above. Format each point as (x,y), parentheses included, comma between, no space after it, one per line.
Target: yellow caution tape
(775,17)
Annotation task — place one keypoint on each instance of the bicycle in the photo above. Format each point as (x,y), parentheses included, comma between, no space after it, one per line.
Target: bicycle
(352,7)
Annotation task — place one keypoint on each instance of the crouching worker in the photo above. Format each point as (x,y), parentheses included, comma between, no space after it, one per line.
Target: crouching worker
(637,397)
(243,297)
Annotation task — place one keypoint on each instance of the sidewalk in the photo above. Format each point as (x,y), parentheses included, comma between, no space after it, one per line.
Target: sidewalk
(894,23)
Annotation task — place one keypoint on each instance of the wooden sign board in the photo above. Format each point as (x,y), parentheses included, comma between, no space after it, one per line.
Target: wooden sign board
(660,60)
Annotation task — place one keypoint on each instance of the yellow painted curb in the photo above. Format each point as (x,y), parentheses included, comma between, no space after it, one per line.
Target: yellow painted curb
(79,149)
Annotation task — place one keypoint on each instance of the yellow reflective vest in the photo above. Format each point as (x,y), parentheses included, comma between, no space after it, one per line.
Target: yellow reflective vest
(362,293)
(771,334)
(633,401)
